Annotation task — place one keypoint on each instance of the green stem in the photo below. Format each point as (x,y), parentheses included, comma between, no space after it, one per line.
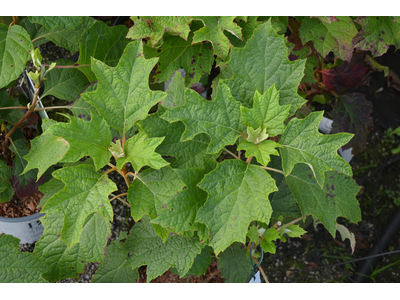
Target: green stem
(233,154)
(66,67)
(118,197)
(272,169)
(294,221)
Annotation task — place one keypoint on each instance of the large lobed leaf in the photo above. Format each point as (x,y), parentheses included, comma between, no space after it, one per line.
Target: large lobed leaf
(235,264)
(155,27)
(178,53)
(123,95)
(90,138)
(18,267)
(377,34)
(15,45)
(115,269)
(266,112)
(102,43)
(150,191)
(302,143)
(237,194)
(188,154)
(335,36)
(86,191)
(139,151)
(213,31)
(336,198)
(68,262)
(147,248)
(64,84)
(180,211)
(219,118)
(262,63)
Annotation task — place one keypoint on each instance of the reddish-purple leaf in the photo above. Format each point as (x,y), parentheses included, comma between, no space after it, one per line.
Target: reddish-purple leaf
(353,114)
(347,75)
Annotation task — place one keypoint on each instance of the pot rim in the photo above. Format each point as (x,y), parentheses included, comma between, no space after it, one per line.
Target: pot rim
(22,219)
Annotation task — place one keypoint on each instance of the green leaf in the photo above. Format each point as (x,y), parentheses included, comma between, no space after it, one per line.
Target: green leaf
(235,264)
(139,150)
(65,84)
(179,213)
(175,92)
(123,95)
(49,189)
(103,43)
(176,53)
(294,231)
(46,150)
(237,194)
(147,248)
(266,112)
(256,136)
(256,70)
(15,45)
(18,267)
(20,148)
(85,192)
(261,151)
(155,27)
(213,31)
(90,138)
(201,262)
(219,118)
(253,235)
(6,190)
(65,38)
(267,243)
(336,198)
(188,154)
(377,34)
(69,262)
(319,152)
(150,191)
(115,269)
(67,22)
(327,37)
(282,201)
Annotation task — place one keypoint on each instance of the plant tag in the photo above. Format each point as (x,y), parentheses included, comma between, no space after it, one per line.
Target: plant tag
(256,278)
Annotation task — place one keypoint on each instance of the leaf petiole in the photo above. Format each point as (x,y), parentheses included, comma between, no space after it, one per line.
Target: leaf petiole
(118,197)
(272,169)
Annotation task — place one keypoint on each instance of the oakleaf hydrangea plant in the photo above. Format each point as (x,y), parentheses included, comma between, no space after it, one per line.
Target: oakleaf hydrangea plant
(203,176)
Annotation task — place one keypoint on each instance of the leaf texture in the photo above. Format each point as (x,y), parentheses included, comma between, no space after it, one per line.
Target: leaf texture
(68,262)
(262,63)
(155,27)
(334,36)
(147,248)
(302,143)
(219,118)
(237,194)
(15,45)
(85,192)
(123,95)
(18,267)
(336,198)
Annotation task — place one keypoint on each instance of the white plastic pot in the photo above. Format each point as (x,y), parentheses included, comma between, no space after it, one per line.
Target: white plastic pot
(28,229)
